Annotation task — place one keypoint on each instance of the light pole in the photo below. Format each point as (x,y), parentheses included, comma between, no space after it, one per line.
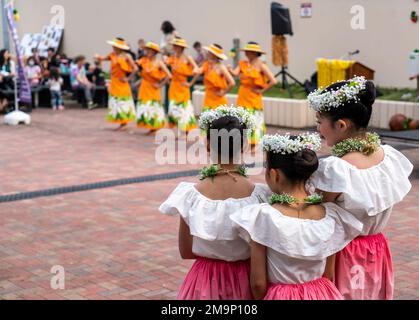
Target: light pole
(6,42)
(16,117)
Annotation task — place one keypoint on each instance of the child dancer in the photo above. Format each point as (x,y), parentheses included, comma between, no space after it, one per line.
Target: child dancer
(181,111)
(363,177)
(221,269)
(253,83)
(121,103)
(217,79)
(155,75)
(291,237)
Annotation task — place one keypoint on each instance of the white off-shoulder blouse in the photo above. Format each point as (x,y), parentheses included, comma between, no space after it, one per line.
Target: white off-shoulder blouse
(369,194)
(297,249)
(209,220)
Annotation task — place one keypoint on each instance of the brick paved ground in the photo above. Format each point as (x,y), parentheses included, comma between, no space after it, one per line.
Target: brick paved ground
(113,243)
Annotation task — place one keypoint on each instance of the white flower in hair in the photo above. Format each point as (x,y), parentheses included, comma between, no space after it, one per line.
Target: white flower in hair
(321,101)
(287,144)
(244,116)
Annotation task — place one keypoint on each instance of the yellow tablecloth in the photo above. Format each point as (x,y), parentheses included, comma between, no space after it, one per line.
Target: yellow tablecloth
(331,71)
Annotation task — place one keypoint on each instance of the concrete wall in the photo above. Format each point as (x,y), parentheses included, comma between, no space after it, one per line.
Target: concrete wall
(385,44)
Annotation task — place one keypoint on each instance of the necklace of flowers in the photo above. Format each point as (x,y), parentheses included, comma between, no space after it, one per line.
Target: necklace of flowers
(367,146)
(215,170)
(286,199)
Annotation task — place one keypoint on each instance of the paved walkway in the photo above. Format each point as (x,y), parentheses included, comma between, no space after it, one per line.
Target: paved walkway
(112,242)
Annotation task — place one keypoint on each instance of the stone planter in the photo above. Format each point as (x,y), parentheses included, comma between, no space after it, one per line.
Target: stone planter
(294,113)
(383,110)
(278,112)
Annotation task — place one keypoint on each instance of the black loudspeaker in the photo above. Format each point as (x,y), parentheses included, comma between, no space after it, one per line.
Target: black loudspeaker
(281,19)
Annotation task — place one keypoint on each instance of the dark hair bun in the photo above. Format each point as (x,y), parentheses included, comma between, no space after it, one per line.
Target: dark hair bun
(358,111)
(296,167)
(368,95)
(306,163)
(228,122)
(236,132)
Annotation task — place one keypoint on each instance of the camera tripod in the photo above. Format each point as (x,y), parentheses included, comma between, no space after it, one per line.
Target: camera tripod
(284,75)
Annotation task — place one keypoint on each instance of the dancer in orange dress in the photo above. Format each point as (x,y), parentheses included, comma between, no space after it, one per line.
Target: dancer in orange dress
(255,79)
(217,79)
(181,111)
(155,75)
(121,102)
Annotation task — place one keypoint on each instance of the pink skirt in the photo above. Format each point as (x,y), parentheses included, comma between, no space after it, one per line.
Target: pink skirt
(364,270)
(320,289)
(217,280)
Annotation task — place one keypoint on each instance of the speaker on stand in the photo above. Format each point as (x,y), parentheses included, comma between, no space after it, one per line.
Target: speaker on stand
(282,26)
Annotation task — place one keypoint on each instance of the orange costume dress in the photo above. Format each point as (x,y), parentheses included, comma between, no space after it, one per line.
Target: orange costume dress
(181,111)
(121,104)
(150,112)
(213,82)
(251,79)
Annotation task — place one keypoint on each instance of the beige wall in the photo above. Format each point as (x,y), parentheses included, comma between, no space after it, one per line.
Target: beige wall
(385,44)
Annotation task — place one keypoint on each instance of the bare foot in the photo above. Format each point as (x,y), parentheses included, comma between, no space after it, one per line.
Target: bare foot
(122,127)
(151,132)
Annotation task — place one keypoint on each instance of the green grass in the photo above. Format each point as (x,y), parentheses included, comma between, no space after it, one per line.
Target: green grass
(277,92)
(396,94)
(392,94)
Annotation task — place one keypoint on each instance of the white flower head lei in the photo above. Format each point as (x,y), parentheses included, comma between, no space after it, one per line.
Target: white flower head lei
(287,144)
(323,101)
(244,116)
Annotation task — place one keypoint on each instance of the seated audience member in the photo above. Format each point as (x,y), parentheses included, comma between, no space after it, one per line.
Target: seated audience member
(141,49)
(44,68)
(200,56)
(3,102)
(98,75)
(33,72)
(7,70)
(53,59)
(36,56)
(79,80)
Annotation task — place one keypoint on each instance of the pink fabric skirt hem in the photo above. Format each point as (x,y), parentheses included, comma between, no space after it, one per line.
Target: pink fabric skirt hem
(320,289)
(364,270)
(211,279)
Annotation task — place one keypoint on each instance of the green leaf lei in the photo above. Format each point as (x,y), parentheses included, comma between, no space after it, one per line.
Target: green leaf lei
(214,170)
(287,199)
(366,146)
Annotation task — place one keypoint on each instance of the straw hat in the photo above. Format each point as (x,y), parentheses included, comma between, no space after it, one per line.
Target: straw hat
(119,43)
(153,46)
(253,48)
(179,42)
(219,53)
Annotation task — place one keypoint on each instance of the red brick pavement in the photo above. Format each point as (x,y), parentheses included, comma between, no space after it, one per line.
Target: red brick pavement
(113,243)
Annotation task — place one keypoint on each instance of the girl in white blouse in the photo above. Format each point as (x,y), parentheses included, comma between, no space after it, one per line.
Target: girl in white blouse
(292,237)
(363,177)
(222,268)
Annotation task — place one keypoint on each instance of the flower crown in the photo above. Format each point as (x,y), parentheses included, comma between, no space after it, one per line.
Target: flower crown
(285,144)
(244,116)
(321,101)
